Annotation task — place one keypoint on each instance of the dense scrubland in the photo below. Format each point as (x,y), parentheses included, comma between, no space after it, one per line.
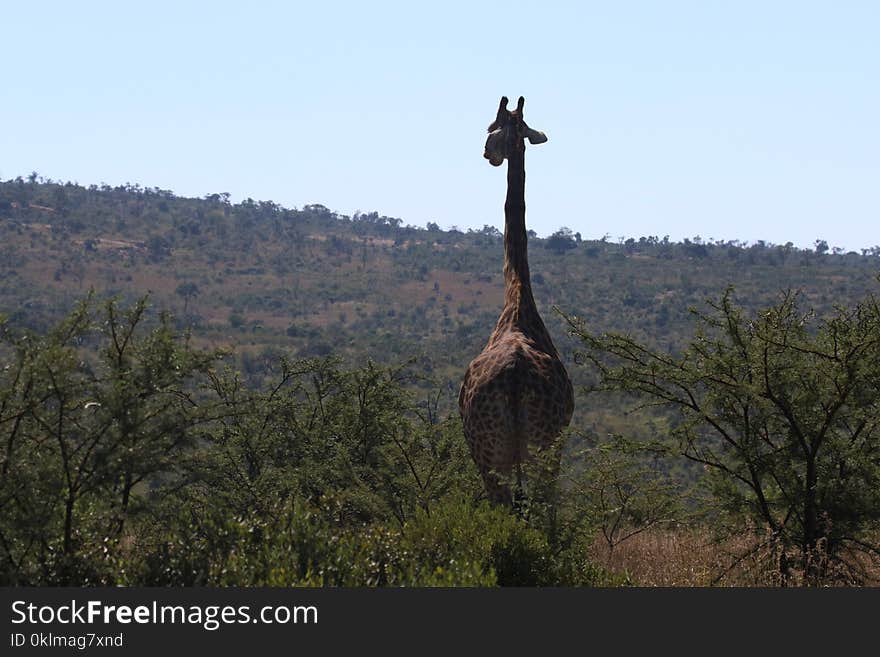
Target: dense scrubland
(200,392)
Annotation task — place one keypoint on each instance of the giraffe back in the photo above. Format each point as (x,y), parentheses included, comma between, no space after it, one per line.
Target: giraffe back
(514,395)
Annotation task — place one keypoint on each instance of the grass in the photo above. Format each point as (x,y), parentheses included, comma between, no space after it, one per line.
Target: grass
(688,557)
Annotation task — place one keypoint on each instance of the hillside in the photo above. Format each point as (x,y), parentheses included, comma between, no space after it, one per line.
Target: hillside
(267,279)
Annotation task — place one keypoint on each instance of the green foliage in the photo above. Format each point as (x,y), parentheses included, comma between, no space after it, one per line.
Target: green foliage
(132,458)
(456,544)
(624,491)
(89,412)
(782,411)
(561,241)
(316,430)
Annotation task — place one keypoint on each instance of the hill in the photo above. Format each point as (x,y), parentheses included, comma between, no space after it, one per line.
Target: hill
(267,279)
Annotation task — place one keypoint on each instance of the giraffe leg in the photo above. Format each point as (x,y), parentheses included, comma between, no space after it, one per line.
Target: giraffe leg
(519,495)
(497,490)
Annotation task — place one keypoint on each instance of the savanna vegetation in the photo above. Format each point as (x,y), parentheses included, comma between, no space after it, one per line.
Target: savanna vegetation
(199,392)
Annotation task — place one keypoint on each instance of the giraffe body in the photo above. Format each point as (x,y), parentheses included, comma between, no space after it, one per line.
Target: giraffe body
(516,396)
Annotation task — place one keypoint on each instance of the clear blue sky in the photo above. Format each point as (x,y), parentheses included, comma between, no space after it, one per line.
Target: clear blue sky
(729,120)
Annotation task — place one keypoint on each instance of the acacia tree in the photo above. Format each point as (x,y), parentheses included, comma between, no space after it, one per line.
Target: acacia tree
(782,410)
(188,291)
(321,432)
(622,494)
(101,404)
(561,241)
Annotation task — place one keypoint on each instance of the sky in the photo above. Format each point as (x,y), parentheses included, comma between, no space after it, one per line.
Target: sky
(725,120)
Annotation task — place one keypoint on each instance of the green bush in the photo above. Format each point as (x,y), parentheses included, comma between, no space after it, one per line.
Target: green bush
(134,460)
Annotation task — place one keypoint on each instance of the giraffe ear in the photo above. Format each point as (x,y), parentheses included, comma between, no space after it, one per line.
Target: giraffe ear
(534,136)
(501,117)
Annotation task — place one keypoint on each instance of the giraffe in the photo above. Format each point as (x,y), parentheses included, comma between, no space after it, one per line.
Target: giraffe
(516,394)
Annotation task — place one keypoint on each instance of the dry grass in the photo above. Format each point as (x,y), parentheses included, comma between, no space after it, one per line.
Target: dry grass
(695,557)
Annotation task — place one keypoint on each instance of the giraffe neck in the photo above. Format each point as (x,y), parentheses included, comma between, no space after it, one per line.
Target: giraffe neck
(516,260)
(520,311)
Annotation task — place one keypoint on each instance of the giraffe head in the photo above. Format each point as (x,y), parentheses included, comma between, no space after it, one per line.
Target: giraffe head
(507,132)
